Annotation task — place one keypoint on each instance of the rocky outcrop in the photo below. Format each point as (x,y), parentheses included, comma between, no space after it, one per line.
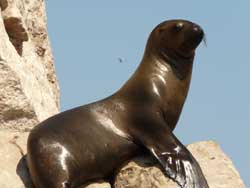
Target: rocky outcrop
(10,156)
(29,92)
(3,4)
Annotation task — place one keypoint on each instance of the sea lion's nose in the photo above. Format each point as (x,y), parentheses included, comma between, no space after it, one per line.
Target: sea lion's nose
(197,29)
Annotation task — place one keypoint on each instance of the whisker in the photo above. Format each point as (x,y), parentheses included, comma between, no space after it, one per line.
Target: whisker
(204,40)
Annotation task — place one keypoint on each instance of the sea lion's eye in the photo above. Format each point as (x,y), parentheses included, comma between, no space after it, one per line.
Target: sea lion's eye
(178,26)
(160,30)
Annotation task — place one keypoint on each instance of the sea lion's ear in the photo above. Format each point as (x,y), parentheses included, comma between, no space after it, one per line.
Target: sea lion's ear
(160,30)
(177,162)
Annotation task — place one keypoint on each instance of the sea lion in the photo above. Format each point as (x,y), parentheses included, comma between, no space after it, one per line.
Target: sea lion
(91,142)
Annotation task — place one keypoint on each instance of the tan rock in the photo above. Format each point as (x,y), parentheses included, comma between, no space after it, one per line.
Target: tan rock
(98,185)
(217,167)
(16,111)
(29,91)
(10,156)
(3,4)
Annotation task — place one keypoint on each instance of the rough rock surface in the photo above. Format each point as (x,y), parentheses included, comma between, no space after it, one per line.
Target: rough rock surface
(3,4)
(29,92)
(10,155)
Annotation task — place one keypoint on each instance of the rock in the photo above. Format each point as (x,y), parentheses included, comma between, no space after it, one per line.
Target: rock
(16,111)
(29,91)
(217,167)
(16,32)
(10,156)
(98,185)
(3,4)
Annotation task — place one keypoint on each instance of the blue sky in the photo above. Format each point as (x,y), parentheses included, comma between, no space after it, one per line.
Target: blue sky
(88,38)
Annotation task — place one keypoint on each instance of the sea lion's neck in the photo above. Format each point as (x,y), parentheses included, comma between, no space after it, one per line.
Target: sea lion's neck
(157,82)
(167,74)
(181,67)
(152,69)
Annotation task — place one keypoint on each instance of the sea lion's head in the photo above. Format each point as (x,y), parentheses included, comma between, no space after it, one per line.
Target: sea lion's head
(175,39)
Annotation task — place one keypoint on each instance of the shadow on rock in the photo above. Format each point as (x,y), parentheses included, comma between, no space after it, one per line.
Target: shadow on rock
(23,172)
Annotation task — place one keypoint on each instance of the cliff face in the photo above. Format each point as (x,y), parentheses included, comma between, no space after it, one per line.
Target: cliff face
(29,91)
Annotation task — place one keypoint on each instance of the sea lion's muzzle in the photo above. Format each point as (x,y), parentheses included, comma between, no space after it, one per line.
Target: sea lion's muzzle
(189,27)
(193,35)
(198,33)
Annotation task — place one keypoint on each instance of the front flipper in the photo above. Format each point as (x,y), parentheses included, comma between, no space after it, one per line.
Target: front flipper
(180,165)
(177,162)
